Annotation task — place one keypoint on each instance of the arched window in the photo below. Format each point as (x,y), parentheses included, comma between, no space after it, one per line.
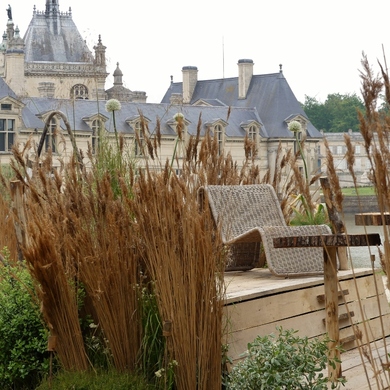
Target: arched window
(79,92)
(96,127)
(51,136)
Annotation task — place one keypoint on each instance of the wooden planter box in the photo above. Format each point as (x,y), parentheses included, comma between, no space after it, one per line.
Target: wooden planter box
(257,302)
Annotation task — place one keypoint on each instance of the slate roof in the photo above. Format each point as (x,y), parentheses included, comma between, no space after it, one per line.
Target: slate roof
(270,94)
(5,90)
(79,110)
(55,38)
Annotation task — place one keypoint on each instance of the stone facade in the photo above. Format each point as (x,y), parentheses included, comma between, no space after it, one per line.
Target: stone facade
(38,78)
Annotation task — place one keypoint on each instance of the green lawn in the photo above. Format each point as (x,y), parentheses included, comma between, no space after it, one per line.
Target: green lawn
(360,190)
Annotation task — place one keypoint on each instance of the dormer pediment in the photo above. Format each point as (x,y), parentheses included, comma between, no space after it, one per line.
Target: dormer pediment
(296,117)
(247,124)
(97,116)
(202,102)
(299,118)
(209,103)
(10,104)
(43,116)
(215,122)
(135,121)
(172,123)
(131,121)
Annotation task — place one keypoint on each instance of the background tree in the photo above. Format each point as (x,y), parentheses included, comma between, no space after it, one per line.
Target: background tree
(337,114)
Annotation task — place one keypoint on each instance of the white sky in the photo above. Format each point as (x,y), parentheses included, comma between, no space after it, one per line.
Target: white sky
(319,43)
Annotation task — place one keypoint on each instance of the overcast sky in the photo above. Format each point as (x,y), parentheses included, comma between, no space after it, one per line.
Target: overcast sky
(319,43)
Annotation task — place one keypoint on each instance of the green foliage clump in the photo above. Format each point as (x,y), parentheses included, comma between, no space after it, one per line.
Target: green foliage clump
(23,338)
(100,380)
(283,362)
(303,214)
(337,114)
(153,346)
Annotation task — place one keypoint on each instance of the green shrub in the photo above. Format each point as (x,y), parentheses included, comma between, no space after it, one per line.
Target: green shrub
(101,380)
(283,362)
(23,338)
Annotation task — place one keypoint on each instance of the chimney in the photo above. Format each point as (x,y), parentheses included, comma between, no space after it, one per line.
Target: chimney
(245,73)
(190,78)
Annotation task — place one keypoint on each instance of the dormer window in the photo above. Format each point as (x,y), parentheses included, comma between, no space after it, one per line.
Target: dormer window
(97,125)
(253,135)
(7,134)
(79,92)
(139,141)
(51,136)
(297,125)
(219,137)
(139,124)
(6,107)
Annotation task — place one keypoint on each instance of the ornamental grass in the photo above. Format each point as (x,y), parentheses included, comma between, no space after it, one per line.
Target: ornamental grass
(98,237)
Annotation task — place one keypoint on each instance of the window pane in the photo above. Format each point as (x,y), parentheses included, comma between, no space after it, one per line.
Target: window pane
(2,124)
(11,124)
(2,142)
(10,140)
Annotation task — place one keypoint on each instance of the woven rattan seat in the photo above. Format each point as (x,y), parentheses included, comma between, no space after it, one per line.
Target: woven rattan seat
(249,217)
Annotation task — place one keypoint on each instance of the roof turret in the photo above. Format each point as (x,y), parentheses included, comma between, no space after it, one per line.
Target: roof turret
(52,36)
(52,7)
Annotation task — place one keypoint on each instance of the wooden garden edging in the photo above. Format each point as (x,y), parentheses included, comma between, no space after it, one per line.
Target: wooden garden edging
(330,243)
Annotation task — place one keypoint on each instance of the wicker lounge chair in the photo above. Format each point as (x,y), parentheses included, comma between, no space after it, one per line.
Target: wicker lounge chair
(249,217)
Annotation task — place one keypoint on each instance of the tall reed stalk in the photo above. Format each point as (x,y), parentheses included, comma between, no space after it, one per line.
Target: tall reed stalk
(186,263)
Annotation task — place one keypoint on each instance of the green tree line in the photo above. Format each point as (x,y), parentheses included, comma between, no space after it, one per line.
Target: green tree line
(337,114)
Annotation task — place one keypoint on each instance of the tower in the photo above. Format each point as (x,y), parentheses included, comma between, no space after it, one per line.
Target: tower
(56,59)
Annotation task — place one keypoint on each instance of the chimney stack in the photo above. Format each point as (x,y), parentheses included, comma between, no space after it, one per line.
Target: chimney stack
(245,73)
(190,78)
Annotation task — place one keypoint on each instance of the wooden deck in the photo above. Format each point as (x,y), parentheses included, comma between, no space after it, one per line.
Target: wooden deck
(358,371)
(257,302)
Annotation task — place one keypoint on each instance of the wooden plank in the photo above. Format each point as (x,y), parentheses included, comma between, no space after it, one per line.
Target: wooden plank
(340,294)
(372,219)
(271,308)
(309,325)
(328,240)
(356,366)
(260,282)
(247,319)
(285,307)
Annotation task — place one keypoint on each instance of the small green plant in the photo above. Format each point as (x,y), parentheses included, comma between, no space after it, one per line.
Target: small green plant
(284,362)
(153,345)
(23,338)
(304,215)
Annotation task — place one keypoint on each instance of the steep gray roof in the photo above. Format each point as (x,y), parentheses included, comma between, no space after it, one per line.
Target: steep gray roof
(78,110)
(270,94)
(52,36)
(5,90)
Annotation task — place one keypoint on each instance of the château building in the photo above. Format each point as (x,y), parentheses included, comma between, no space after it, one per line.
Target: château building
(52,69)
(52,59)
